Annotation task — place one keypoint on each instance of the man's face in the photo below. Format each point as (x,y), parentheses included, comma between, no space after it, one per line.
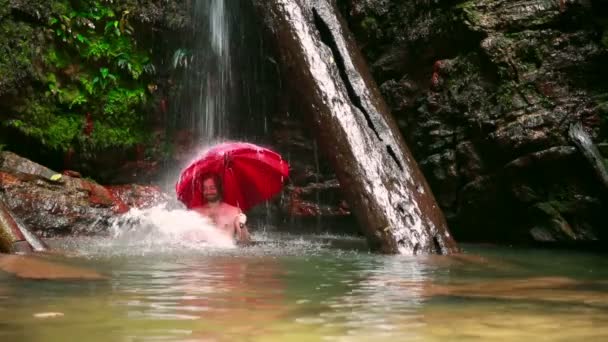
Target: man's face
(210,193)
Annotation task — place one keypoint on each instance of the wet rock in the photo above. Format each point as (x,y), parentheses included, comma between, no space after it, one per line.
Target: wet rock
(312,199)
(11,238)
(72,173)
(172,15)
(316,200)
(517,15)
(485,92)
(138,196)
(381,181)
(57,206)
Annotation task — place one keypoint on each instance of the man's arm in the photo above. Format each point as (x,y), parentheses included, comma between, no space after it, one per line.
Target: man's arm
(242,233)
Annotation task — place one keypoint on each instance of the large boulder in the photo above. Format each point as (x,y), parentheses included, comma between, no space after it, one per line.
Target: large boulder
(485,92)
(52,204)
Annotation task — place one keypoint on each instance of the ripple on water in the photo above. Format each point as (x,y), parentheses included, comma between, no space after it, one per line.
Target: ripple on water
(290,288)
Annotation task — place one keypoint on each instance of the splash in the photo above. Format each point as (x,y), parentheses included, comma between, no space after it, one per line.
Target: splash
(162,227)
(155,231)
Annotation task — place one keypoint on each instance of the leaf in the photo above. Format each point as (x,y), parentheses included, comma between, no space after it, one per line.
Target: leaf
(80,99)
(150,69)
(56,177)
(15,123)
(104,72)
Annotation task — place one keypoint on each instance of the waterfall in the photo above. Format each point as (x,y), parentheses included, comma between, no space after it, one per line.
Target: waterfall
(211,83)
(226,81)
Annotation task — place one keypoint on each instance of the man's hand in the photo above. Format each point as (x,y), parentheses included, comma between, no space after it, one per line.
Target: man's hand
(241,219)
(242,233)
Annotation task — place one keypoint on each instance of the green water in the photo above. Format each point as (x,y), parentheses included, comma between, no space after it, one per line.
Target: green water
(303,289)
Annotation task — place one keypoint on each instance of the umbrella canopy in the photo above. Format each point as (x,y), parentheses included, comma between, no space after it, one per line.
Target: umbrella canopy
(250,174)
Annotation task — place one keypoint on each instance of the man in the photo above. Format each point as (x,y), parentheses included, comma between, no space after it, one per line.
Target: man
(227,218)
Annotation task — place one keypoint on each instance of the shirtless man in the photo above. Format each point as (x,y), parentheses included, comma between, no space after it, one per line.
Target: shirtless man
(227,218)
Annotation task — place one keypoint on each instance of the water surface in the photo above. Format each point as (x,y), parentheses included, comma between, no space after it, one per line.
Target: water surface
(311,288)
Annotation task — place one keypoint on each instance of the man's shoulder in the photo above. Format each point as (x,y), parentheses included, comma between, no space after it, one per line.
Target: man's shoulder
(200,209)
(230,208)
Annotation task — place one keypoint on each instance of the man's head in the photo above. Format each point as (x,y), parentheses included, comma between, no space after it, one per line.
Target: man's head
(212,189)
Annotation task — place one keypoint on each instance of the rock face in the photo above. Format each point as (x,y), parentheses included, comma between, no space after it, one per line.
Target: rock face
(51,205)
(380,179)
(485,92)
(312,200)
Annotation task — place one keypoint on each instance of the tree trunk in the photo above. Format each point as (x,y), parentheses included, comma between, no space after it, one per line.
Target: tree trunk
(380,179)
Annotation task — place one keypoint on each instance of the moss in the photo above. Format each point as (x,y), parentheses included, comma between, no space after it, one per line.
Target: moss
(369,26)
(89,80)
(505,95)
(107,135)
(17,43)
(562,199)
(469,10)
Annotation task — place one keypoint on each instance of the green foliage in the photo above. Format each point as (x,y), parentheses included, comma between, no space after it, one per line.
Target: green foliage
(17,48)
(95,77)
(47,123)
(370,26)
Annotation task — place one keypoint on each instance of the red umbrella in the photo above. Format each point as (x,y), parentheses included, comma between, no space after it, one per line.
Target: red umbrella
(250,175)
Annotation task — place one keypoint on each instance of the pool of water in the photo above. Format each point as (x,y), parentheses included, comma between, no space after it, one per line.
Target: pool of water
(307,289)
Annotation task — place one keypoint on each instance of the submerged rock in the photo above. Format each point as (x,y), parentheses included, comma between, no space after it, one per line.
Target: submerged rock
(35,267)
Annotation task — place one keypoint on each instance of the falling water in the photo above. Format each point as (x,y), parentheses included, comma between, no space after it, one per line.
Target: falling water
(227,80)
(212,83)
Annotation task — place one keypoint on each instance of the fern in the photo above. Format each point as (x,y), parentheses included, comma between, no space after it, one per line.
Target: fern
(94,66)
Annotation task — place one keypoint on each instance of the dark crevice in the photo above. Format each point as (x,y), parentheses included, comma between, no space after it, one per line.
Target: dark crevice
(393,155)
(328,39)
(417,248)
(401,209)
(437,245)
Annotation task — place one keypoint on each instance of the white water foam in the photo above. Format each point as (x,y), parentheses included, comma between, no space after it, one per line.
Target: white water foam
(168,227)
(154,231)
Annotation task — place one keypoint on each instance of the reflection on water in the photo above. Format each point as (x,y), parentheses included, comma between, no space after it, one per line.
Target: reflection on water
(302,289)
